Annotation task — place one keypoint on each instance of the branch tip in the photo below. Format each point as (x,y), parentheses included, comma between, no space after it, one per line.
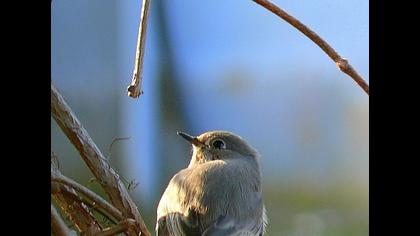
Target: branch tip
(341,63)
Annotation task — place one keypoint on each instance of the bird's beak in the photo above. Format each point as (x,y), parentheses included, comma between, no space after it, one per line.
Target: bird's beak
(193,140)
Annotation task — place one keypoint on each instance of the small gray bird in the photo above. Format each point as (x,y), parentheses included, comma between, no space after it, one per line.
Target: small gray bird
(218,194)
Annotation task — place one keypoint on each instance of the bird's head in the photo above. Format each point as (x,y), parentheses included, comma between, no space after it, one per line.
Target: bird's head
(218,145)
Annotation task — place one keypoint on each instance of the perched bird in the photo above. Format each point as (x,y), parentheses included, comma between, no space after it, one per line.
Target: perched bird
(218,194)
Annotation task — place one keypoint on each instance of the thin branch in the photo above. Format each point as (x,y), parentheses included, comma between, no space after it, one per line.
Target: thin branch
(95,161)
(76,212)
(122,226)
(89,204)
(112,143)
(135,88)
(58,225)
(342,63)
(98,201)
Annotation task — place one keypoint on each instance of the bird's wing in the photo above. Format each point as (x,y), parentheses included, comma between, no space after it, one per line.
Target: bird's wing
(226,226)
(176,224)
(174,218)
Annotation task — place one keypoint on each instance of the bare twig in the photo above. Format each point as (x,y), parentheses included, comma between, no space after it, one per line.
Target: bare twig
(135,88)
(98,201)
(112,143)
(58,226)
(55,164)
(342,63)
(122,226)
(130,184)
(76,212)
(89,204)
(95,161)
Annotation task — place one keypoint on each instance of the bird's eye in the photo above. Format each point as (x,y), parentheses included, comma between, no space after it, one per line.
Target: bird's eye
(219,144)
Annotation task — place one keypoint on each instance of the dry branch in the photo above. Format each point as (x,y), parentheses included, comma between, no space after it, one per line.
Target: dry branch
(90,205)
(135,88)
(342,63)
(95,161)
(120,227)
(98,202)
(58,226)
(76,211)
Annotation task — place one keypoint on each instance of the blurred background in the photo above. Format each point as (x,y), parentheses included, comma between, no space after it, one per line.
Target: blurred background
(230,65)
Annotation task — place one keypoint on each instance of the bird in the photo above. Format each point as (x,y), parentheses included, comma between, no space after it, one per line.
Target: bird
(218,194)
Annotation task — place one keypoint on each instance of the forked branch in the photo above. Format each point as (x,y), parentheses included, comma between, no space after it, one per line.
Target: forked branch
(122,226)
(96,200)
(75,211)
(95,161)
